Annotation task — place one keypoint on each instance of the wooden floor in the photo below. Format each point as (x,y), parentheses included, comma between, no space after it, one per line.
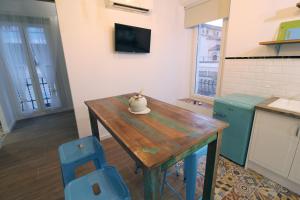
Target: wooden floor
(29,166)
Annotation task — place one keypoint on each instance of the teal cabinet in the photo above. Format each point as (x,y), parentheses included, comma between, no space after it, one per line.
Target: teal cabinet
(238,111)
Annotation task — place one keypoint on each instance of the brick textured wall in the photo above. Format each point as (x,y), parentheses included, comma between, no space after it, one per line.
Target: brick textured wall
(263,77)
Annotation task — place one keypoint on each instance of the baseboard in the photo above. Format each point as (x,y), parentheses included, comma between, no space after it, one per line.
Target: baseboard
(274,177)
(104,137)
(52,112)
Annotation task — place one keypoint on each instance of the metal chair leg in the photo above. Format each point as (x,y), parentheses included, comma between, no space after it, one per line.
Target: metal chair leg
(163,182)
(137,168)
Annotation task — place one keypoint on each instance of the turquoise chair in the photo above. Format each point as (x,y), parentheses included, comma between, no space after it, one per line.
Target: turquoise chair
(165,182)
(190,175)
(78,152)
(191,172)
(102,184)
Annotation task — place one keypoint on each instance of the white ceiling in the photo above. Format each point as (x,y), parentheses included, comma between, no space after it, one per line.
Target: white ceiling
(28,8)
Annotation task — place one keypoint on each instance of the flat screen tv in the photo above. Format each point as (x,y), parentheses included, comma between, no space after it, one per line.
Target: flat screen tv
(132,39)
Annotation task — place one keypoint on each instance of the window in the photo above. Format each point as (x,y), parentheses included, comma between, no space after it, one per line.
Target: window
(208,54)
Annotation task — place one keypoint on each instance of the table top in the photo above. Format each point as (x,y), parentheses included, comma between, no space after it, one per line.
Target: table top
(154,138)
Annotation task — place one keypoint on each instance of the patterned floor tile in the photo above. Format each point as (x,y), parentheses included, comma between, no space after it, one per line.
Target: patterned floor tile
(235,182)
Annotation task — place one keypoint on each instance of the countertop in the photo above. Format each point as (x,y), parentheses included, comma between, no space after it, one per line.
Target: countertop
(264,106)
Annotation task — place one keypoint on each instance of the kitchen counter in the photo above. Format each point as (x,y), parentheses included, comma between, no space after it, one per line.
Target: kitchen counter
(265,106)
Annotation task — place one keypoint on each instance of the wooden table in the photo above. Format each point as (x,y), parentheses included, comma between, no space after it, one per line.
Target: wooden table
(158,140)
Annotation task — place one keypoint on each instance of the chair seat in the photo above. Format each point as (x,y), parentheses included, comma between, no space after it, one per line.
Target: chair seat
(111,185)
(77,153)
(77,149)
(201,152)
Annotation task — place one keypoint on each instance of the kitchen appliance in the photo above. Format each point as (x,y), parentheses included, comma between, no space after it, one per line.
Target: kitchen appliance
(139,6)
(238,111)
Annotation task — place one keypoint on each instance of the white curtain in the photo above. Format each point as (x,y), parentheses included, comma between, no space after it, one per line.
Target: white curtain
(29,43)
(13,55)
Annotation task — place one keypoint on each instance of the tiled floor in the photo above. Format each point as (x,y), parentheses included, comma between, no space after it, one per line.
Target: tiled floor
(234,182)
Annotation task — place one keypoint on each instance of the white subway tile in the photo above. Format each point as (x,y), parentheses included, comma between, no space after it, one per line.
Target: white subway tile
(277,77)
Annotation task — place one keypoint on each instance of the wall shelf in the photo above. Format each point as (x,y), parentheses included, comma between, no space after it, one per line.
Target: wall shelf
(278,43)
(262,57)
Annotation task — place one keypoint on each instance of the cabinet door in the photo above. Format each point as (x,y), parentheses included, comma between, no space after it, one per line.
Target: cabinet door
(274,141)
(295,171)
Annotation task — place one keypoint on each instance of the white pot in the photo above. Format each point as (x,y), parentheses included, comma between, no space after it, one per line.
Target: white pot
(138,103)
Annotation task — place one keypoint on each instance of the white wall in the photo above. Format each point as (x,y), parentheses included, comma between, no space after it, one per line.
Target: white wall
(254,21)
(96,71)
(251,22)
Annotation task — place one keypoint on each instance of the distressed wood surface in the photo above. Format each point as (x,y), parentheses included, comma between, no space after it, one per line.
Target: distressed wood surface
(162,137)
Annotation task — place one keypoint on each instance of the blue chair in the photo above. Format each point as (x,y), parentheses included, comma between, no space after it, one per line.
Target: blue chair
(191,172)
(190,175)
(102,184)
(78,152)
(166,182)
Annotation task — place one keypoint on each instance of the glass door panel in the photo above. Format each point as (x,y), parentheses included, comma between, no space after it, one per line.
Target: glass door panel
(208,58)
(44,66)
(15,58)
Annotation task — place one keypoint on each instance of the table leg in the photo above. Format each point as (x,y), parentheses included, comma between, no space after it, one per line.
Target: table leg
(152,183)
(212,159)
(94,125)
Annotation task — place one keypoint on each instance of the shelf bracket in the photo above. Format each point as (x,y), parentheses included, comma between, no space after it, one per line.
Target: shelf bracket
(277,48)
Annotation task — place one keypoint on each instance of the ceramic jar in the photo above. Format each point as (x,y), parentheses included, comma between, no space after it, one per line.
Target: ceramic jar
(138,103)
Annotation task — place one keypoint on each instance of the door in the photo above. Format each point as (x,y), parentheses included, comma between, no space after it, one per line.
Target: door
(274,141)
(295,170)
(15,57)
(44,68)
(26,51)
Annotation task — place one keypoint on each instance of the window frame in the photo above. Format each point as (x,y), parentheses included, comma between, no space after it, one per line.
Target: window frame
(193,95)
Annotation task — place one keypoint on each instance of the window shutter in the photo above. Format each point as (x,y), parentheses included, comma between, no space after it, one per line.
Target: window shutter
(206,11)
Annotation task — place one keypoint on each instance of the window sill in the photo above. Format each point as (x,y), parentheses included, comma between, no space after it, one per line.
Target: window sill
(194,106)
(203,99)
(197,102)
